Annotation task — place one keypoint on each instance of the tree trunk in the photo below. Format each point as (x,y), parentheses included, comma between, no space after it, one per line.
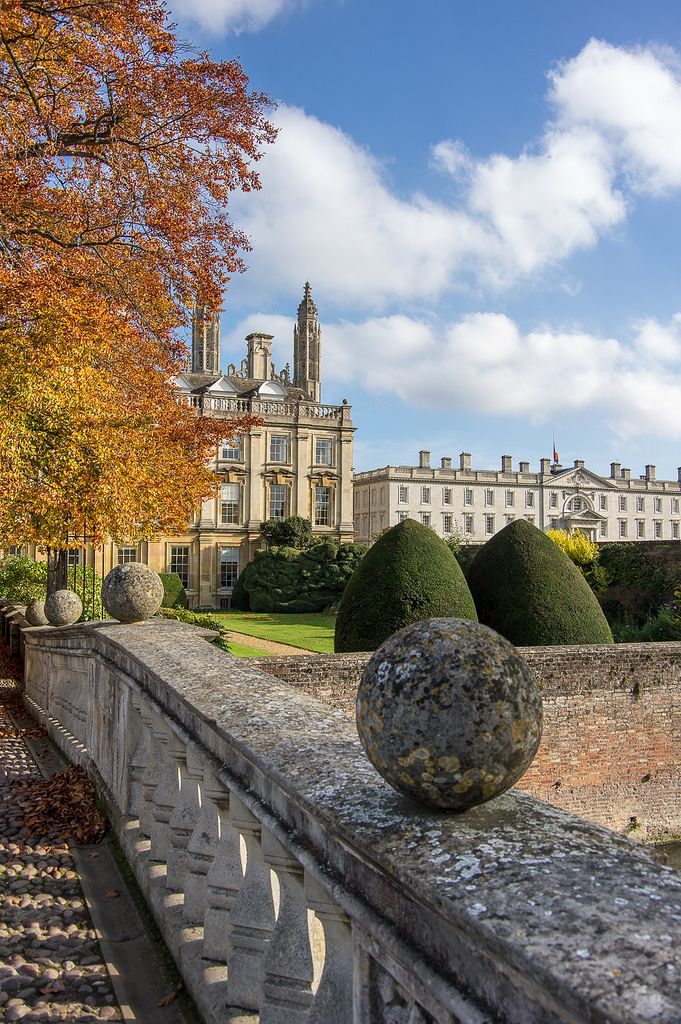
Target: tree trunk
(57,568)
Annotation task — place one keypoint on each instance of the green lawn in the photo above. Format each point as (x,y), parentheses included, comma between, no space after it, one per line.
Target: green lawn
(242,651)
(313,631)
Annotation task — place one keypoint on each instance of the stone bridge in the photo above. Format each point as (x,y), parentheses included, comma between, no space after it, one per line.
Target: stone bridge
(293,886)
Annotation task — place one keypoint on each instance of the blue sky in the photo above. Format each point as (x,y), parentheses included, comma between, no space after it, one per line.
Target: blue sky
(486,199)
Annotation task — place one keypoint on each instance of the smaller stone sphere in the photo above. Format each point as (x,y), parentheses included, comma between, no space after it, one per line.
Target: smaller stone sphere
(63,608)
(449,713)
(132,592)
(35,613)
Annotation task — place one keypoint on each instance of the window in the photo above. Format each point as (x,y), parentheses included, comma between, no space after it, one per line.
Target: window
(658,504)
(577,505)
(403,494)
(675,506)
(603,502)
(510,497)
(229,568)
(468,525)
(231,451)
(468,495)
(489,496)
(322,506)
(74,557)
(622,503)
(623,528)
(179,563)
(323,451)
(603,529)
(658,529)
(127,554)
(446,495)
(675,531)
(553,499)
(13,550)
(640,503)
(529,499)
(278,501)
(553,524)
(425,495)
(278,448)
(229,506)
(401,516)
(640,528)
(447,522)
(489,524)
(425,518)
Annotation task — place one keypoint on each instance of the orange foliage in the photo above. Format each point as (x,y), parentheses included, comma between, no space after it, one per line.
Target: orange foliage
(118,153)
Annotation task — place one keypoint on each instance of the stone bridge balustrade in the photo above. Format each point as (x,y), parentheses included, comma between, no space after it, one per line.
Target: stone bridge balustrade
(289,880)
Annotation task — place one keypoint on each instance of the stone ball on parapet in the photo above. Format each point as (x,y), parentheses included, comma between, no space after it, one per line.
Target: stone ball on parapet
(35,613)
(63,608)
(132,592)
(449,713)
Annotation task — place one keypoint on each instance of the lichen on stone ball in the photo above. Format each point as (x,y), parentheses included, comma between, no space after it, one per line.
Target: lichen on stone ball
(449,713)
(132,592)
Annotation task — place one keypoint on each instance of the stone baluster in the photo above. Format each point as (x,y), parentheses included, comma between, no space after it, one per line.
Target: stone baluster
(200,854)
(184,817)
(166,792)
(224,876)
(288,969)
(252,917)
(139,759)
(332,1002)
(150,775)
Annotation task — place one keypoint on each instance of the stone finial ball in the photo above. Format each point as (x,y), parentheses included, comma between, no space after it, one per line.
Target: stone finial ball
(449,713)
(132,592)
(63,608)
(35,613)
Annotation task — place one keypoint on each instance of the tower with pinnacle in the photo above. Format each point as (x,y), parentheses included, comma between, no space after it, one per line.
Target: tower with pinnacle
(205,341)
(306,348)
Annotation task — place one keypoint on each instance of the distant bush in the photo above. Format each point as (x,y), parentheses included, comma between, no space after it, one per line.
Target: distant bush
(286,579)
(585,554)
(637,588)
(174,594)
(528,590)
(23,580)
(409,574)
(292,532)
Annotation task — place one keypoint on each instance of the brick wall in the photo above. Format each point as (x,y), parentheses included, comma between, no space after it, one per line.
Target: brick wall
(611,748)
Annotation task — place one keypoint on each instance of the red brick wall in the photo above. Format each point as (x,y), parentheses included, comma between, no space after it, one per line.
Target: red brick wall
(611,748)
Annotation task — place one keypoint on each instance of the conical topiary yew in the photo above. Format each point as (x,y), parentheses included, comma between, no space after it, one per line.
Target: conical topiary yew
(409,574)
(528,590)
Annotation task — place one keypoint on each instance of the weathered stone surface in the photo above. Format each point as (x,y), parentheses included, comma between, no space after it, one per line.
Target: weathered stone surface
(35,613)
(449,713)
(132,592)
(63,608)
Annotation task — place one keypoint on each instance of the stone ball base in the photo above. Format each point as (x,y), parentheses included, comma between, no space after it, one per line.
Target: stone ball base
(35,613)
(132,592)
(63,608)
(449,713)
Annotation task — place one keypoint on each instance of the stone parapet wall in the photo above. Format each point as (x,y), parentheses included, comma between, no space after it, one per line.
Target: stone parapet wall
(612,728)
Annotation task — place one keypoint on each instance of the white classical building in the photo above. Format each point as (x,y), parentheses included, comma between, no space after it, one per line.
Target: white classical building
(477,503)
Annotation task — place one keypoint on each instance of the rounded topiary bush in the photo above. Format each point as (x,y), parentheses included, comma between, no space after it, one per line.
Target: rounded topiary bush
(528,590)
(409,574)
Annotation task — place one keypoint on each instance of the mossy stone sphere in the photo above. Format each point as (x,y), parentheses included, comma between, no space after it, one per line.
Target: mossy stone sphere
(35,613)
(132,592)
(63,608)
(449,713)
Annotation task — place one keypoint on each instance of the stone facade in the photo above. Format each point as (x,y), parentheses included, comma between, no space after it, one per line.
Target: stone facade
(477,503)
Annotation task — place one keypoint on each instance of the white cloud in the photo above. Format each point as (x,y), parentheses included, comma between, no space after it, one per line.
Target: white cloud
(219,17)
(484,364)
(329,212)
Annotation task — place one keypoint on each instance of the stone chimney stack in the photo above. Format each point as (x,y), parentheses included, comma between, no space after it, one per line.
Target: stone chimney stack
(614,470)
(506,464)
(259,355)
(523,467)
(625,474)
(650,472)
(445,463)
(545,466)
(424,460)
(579,463)
(465,460)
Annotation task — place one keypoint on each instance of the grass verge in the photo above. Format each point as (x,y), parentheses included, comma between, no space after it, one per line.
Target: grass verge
(313,631)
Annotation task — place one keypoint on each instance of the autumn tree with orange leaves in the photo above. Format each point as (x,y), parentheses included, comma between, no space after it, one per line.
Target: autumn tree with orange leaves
(119,150)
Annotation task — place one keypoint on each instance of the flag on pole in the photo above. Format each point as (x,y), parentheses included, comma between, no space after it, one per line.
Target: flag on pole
(555,456)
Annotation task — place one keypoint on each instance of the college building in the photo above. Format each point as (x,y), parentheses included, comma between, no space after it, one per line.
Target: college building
(297,462)
(477,503)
